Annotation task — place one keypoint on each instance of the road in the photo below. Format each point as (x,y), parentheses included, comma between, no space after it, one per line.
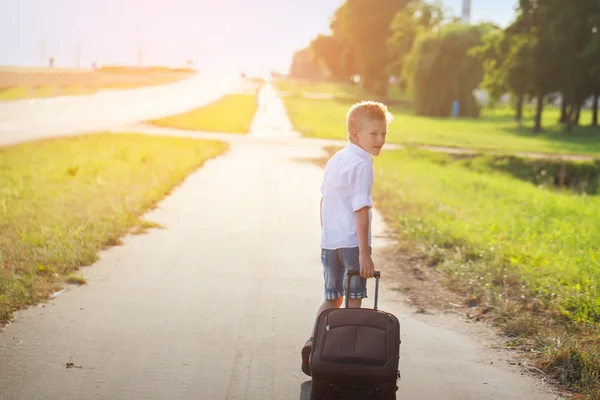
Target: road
(29,119)
(218,303)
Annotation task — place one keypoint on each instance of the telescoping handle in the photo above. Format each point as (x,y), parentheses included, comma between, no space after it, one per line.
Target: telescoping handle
(351,274)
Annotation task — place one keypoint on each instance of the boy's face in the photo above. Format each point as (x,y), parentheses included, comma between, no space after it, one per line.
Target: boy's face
(370,135)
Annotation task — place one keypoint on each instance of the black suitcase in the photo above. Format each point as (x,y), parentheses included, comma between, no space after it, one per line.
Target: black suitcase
(355,353)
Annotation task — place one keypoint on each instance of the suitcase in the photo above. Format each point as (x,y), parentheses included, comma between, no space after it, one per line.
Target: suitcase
(356,352)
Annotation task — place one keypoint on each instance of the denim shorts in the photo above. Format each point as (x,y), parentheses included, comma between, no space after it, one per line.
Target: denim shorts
(336,263)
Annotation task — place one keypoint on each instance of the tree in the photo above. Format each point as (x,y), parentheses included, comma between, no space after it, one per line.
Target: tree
(363,29)
(304,67)
(329,53)
(507,63)
(416,18)
(562,32)
(591,54)
(440,70)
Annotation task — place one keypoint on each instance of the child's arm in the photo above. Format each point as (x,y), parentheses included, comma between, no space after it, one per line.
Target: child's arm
(361,182)
(367,268)
(321,211)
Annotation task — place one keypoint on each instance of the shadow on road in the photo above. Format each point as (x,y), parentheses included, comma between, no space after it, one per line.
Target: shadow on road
(305,390)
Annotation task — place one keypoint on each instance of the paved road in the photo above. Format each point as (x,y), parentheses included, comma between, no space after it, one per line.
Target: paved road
(38,118)
(218,304)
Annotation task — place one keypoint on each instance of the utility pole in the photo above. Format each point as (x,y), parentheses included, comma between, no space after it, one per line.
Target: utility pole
(466,12)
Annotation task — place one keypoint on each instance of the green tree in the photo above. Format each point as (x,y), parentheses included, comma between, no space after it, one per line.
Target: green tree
(362,28)
(304,66)
(440,70)
(591,54)
(328,52)
(562,32)
(418,17)
(507,63)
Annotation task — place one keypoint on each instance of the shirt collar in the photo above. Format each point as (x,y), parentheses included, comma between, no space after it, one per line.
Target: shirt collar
(359,151)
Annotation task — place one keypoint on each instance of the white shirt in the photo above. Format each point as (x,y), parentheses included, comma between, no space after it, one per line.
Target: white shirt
(346,188)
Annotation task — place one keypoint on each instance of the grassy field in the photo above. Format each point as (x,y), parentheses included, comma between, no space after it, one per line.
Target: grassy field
(519,250)
(548,238)
(295,88)
(63,200)
(494,130)
(23,83)
(232,114)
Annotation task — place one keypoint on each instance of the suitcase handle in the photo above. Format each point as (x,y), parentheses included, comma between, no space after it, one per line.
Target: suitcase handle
(351,274)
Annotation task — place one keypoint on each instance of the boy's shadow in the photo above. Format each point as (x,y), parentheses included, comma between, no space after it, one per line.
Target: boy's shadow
(305,390)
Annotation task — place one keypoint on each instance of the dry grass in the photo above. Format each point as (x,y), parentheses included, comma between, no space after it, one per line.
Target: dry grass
(232,114)
(19,83)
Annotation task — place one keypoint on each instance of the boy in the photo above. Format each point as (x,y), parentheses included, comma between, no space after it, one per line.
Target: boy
(346,210)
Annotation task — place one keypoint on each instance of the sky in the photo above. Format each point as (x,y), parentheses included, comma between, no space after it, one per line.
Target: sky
(258,35)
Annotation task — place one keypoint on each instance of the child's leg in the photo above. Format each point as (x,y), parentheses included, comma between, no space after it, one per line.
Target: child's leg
(333,274)
(358,286)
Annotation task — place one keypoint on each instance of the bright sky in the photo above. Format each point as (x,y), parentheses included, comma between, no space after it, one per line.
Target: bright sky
(224,34)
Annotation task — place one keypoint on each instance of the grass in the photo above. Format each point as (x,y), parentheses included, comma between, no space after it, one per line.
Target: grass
(75,279)
(297,87)
(495,221)
(28,92)
(528,253)
(29,83)
(14,93)
(232,114)
(63,200)
(494,130)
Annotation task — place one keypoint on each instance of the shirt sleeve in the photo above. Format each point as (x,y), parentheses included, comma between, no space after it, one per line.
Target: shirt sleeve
(360,184)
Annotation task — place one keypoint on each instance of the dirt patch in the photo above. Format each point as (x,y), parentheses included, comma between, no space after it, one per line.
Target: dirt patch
(415,276)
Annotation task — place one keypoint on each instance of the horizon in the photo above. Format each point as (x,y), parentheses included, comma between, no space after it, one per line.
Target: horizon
(80,32)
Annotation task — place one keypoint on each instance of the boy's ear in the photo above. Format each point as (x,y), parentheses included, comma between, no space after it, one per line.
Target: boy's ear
(352,134)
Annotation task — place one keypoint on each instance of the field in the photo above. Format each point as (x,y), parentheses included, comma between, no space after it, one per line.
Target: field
(231,114)
(515,238)
(495,130)
(20,83)
(63,200)
(523,255)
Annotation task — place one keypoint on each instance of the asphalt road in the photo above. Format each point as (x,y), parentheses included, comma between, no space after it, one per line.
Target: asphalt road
(218,304)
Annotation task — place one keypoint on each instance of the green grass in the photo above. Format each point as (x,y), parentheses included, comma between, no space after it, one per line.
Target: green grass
(63,200)
(14,93)
(232,114)
(25,92)
(75,279)
(529,253)
(297,87)
(548,238)
(494,130)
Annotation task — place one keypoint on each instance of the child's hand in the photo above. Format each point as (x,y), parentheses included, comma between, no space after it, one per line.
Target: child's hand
(367,268)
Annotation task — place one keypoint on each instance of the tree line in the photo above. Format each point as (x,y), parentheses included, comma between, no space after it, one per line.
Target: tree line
(550,50)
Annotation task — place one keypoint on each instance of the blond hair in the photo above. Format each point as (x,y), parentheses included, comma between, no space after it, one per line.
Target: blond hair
(366,110)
